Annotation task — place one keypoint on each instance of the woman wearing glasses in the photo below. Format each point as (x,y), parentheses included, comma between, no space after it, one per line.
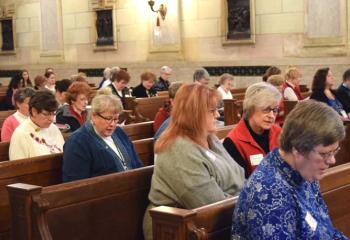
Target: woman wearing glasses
(282,199)
(256,134)
(37,135)
(99,147)
(192,168)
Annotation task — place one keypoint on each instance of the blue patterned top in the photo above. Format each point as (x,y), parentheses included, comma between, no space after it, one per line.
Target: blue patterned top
(277,203)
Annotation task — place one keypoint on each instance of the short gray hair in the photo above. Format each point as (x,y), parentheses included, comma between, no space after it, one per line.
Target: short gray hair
(114,70)
(106,102)
(107,73)
(259,95)
(200,74)
(165,69)
(23,93)
(309,124)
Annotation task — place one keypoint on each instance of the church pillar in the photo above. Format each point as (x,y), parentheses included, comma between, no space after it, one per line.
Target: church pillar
(51,47)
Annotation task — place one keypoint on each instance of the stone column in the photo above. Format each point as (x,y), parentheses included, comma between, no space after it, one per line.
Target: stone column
(51,49)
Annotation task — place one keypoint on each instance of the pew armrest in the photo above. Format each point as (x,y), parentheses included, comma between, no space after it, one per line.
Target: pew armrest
(175,223)
(20,196)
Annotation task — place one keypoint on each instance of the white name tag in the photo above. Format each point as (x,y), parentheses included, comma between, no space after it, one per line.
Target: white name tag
(343,113)
(256,159)
(311,221)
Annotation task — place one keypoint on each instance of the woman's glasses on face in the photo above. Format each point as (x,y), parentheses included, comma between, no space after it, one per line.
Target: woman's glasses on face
(328,155)
(109,120)
(48,114)
(268,110)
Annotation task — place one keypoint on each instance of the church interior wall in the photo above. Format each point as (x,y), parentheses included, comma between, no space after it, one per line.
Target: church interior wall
(280,28)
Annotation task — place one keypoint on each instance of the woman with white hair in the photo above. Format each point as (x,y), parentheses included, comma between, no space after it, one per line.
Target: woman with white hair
(162,84)
(99,147)
(256,134)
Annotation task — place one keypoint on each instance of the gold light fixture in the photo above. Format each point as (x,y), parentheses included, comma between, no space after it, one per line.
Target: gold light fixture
(162,9)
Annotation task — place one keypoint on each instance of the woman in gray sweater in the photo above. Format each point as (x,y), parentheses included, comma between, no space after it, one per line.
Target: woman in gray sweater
(192,168)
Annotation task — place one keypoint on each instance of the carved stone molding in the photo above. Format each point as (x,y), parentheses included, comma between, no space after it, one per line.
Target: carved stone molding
(7,11)
(102,4)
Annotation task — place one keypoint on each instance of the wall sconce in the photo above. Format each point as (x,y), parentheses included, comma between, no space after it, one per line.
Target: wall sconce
(162,9)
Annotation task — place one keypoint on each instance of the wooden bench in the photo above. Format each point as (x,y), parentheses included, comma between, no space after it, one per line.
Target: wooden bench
(288,107)
(233,110)
(214,221)
(145,109)
(140,130)
(335,187)
(105,207)
(44,171)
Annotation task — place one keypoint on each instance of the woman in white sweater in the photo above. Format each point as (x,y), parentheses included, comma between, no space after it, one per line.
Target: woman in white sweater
(37,135)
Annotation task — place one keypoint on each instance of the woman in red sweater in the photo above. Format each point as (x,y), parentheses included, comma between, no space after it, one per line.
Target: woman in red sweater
(256,134)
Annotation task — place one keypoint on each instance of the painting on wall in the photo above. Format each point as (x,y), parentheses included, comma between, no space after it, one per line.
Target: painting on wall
(238,22)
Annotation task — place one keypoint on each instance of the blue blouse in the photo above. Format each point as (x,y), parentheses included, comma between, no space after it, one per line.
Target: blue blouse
(277,203)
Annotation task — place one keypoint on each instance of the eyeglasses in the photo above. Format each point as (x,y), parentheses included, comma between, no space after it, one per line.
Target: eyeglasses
(268,110)
(328,155)
(109,119)
(48,114)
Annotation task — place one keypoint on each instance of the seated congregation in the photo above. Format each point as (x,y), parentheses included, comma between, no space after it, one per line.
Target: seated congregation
(268,167)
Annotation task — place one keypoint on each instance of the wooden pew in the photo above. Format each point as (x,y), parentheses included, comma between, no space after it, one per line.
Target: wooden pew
(222,132)
(45,171)
(335,187)
(238,90)
(163,94)
(105,207)
(4,151)
(233,110)
(144,109)
(288,107)
(208,222)
(139,130)
(214,221)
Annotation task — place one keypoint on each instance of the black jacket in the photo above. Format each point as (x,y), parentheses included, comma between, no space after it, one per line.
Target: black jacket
(161,85)
(64,116)
(141,92)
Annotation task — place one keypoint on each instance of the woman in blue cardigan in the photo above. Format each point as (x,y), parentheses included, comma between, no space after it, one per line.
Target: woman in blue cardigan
(99,147)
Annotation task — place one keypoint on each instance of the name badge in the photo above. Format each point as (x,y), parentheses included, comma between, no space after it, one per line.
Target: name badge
(211,155)
(256,159)
(311,221)
(343,113)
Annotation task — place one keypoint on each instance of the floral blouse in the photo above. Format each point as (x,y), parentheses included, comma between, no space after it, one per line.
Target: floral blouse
(277,203)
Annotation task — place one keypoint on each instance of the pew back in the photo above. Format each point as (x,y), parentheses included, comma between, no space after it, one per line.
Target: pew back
(139,130)
(335,187)
(214,221)
(43,170)
(105,207)
(145,109)
(208,222)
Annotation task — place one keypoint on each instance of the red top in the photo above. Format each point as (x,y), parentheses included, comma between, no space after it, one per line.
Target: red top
(81,118)
(296,90)
(248,147)
(160,117)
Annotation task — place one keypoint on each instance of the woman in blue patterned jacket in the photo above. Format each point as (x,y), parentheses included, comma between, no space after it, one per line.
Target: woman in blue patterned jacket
(282,198)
